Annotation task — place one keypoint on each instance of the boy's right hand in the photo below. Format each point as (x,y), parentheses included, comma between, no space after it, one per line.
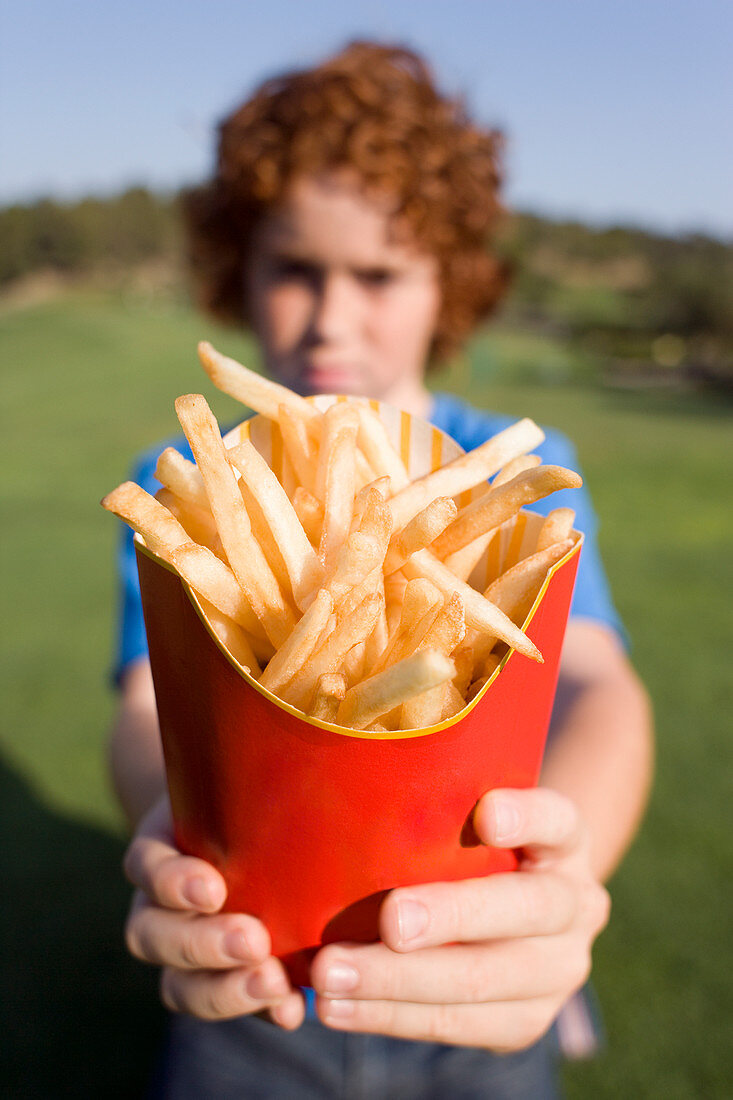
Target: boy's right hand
(215,965)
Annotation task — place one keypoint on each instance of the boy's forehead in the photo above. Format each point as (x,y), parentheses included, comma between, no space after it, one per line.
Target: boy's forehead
(331,216)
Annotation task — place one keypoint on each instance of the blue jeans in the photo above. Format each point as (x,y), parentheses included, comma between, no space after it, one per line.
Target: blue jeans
(251,1059)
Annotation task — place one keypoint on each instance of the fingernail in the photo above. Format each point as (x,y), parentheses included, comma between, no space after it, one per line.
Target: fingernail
(340,1010)
(341,978)
(265,986)
(198,893)
(412,919)
(506,819)
(236,945)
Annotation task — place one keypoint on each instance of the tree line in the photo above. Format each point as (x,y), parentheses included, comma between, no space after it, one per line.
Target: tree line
(616,292)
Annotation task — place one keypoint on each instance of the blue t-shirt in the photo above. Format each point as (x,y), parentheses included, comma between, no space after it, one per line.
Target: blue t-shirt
(469,427)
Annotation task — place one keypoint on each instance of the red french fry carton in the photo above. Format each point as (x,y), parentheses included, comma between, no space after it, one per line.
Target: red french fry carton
(311,823)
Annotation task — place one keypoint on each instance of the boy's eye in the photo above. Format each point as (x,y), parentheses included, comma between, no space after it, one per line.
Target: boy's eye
(376,276)
(295,269)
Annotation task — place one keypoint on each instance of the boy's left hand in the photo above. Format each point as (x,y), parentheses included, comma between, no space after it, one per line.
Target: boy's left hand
(487,962)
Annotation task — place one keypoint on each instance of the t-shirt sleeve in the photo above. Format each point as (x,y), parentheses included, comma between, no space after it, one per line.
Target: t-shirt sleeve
(592,596)
(131,640)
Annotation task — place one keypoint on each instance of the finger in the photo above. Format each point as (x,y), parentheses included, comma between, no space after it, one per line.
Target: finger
(188,941)
(222,995)
(508,970)
(499,906)
(171,879)
(290,1012)
(541,821)
(502,1027)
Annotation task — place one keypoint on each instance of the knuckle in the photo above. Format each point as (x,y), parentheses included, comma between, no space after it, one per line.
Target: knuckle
(133,939)
(215,1005)
(164,883)
(475,979)
(189,949)
(440,1023)
(169,993)
(546,901)
(132,860)
(223,997)
(595,907)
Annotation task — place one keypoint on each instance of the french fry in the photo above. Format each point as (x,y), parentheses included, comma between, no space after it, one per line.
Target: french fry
(354,663)
(254,391)
(514,467)
(298,447)
(245,555)
(295,651)
(330,691)
(304,570)
(394,594)
(422,601)
(182,477)
(556,528)
(476,687)
(466,471)
(374,515)
(378,450)
(514,592)
(449,626)
(453,702)
(160,529)
(464,561)
(198,524)
(501,504)
(420,532)
(309,511)
(376,643)
(464,662)
(376,696)
(335,479)
(445,633)
(212,579)
(329,656)
(288,477)
(263,536)
(380,486)
(480,612)
(233,637)
(359,556)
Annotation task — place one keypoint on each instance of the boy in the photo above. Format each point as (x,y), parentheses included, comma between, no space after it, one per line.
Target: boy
(347,225)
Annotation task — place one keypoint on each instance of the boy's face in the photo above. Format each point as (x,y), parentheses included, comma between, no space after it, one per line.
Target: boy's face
(339,306)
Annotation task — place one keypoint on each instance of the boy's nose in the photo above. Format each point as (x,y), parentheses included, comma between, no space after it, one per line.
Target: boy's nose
(336,308)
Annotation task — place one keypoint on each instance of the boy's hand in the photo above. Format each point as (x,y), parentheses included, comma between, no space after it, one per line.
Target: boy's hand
(488,962)
(215,965)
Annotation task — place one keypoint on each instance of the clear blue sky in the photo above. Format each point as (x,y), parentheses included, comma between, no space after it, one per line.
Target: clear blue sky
(616,110)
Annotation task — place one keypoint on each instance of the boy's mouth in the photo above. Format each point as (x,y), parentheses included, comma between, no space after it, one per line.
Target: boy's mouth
(329,378)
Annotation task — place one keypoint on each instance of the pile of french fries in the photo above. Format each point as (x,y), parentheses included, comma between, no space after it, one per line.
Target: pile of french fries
(343,587)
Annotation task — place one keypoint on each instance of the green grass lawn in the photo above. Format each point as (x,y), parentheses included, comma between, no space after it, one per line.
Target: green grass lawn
(88,381)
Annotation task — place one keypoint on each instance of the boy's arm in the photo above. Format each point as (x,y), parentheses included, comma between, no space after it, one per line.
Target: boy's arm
(135,753)
(600,752)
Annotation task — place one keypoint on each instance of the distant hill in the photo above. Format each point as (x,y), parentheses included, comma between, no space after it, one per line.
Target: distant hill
(636,301)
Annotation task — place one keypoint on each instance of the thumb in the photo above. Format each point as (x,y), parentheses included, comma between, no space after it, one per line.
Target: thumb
(545,824)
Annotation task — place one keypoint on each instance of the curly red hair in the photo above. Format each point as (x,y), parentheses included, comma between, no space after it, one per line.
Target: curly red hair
(375,110)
